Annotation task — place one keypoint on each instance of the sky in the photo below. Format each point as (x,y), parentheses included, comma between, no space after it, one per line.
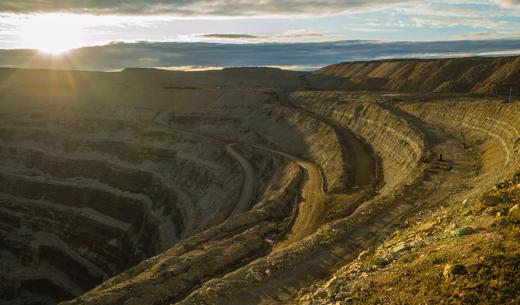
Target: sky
(302,34)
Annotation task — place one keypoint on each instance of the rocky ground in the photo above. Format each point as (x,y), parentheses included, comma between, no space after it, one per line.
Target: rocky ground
(464,252)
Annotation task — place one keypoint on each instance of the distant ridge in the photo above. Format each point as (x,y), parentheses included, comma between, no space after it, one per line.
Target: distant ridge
(456,75)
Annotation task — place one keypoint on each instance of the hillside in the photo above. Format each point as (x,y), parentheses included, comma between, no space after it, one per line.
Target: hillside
(462,75)
(463,253)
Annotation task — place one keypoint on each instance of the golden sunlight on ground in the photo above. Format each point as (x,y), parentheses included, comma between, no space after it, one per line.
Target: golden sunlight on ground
(52,34)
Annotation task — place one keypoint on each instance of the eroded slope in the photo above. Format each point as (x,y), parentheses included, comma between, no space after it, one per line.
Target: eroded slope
(224,189)
(463,75)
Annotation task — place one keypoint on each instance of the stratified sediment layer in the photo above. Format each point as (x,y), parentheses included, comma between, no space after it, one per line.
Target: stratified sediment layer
(241,186)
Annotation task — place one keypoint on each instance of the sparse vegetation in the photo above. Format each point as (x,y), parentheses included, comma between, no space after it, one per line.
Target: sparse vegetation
(479,268)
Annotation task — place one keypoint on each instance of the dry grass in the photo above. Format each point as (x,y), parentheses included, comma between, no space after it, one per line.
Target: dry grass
(410,267)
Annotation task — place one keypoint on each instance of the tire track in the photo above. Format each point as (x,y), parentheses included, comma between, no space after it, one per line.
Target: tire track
(312,207)
(249,181)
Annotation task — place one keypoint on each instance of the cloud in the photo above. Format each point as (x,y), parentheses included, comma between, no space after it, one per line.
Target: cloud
(302,35)
(308,56)
(190,68)
(481,14)
(508,2)
(442,21)
(193,7)
(488,35)
(229,36)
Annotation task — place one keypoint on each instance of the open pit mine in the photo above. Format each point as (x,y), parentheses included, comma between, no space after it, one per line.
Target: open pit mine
(383,182)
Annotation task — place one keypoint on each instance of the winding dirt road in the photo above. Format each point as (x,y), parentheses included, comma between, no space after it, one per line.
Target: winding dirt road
(301,269)
(248,188)
(312,207)
(363,168)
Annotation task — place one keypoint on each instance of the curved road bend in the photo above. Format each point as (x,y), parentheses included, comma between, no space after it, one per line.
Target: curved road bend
(361,157)
(311,208)
(248,186)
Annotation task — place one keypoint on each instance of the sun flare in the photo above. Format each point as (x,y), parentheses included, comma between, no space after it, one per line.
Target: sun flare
(52,34)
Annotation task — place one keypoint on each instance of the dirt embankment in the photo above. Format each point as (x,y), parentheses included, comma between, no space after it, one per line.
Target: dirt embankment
(318,138)
(170,276)
(492,125)
(456,226)
(275,278)
(279,128)
(464,75)
(399,144)
(70,181)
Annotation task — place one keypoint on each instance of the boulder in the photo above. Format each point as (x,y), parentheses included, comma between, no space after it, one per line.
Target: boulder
(363,255)
(453,270)
(490,200)
(466,231)
(320,294)
(400,247)
(514,213)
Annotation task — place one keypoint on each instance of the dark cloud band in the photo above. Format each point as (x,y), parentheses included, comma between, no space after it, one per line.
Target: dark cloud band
(304,55)
(230,36)
(191,7)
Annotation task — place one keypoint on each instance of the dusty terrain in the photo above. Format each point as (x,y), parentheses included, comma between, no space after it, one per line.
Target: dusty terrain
(261,186)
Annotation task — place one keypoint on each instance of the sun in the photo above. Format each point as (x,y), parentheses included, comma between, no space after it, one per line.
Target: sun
(52,34)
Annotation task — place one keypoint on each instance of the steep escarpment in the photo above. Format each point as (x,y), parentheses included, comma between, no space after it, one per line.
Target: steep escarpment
(302,135)
(173,274)
(492,124)
(397,142)
(471,228)
(316,254)
(317,138)
(70,181)
(475,75)
(146,178)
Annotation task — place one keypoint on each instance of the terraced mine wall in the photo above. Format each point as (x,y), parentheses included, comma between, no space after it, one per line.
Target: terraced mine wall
(463,75)
(399,144)
(481,138)
(85,197)
(302,135)
(492,125)
(132,153)
(323,146)
(400,141)
(172,275)
(87,192)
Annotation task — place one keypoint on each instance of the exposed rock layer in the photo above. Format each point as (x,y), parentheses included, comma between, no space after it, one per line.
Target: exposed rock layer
(463,75)
(135,198)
